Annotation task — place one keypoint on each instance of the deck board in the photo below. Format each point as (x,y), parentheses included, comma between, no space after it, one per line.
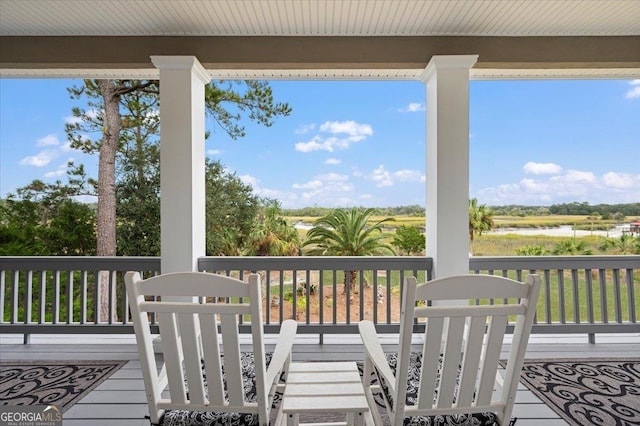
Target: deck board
(120,400)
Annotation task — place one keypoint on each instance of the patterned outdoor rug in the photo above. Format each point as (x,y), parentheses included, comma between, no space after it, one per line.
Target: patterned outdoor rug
(587,391)
(59,383)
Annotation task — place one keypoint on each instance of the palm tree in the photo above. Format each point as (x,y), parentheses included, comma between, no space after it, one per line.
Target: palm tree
(480,220)
(626,244)
(531,250)
(348,233)
(572,247)
(272,235)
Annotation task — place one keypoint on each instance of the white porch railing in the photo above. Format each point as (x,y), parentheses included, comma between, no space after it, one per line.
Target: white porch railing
(581,294)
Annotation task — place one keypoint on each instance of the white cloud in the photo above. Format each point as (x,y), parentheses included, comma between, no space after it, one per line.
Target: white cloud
(214,152)
(39,160)
(413,107)
(575,176)
(336,135)
(331,189)
(91,113)
(276,194)
(572,185)
(351,128)
(249,180)
(70,119)
(305,128)
(634,92)
(620,180)
(541,168)
(60,171)
(152,118)
(315,144)
(409,176)
(332,161)
(48,140)
(384,178)
(333,177)
(312,184)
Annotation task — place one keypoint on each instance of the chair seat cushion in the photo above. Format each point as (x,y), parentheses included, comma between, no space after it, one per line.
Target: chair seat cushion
(202,418)
(413,381)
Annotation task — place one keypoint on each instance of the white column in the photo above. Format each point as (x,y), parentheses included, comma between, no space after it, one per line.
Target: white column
(182,159)
(447,198)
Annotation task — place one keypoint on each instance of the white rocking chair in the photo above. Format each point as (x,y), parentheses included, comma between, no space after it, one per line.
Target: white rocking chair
(451,380)
(204,378)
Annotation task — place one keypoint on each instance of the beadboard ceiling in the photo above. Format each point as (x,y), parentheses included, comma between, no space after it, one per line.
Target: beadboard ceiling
(320,17)
(238,19)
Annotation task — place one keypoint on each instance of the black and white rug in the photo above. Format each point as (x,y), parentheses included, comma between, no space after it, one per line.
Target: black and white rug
(193,418)
(587,391)
(59,383)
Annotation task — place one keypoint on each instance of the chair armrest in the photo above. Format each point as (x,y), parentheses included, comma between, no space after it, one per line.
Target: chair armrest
(282,351)
(374,352)
(499,380)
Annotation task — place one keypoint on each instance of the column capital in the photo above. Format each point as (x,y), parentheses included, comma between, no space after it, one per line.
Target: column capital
(440,62)
(182,62)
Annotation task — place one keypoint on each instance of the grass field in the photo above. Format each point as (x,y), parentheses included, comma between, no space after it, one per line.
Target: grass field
(506,245)
(500,221)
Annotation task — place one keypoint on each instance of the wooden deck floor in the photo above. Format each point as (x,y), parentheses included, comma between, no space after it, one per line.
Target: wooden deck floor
(120,400)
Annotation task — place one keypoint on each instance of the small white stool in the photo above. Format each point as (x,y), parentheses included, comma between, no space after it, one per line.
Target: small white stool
(325,387)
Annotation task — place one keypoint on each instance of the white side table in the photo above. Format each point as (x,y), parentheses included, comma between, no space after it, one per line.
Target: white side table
(325,387)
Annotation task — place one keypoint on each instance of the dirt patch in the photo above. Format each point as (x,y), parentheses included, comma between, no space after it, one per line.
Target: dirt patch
(323,306)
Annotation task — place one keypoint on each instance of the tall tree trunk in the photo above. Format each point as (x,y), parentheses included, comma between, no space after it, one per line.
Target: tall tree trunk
(350,278)
(106,217)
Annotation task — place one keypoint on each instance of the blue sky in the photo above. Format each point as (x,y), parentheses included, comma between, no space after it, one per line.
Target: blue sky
(362,143)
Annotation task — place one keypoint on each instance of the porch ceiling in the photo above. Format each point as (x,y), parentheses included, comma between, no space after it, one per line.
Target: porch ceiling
(392,39)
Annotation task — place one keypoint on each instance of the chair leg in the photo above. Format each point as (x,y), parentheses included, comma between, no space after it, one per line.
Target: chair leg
(368,391)
(293,419)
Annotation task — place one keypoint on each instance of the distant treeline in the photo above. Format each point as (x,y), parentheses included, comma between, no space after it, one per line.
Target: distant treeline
(316,211)
(575,208)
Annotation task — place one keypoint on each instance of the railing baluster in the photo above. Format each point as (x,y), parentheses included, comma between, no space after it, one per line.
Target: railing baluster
(28,300)
(616,295)
(547,294)
(24,281)
(631,295)
(576,296)
(294,300)
(589,282)
(561,302)
(603,295)
(97,298)
(374,291)
(112,296)
(321,298)
(70,297)
(42,299)
(589,298)
(125,299)
(124,306)
(267,296)
(335,292)
(83,297)
(388,288)
(281,277)
(56,297)
(28,295)
(15,291)
(2,290)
